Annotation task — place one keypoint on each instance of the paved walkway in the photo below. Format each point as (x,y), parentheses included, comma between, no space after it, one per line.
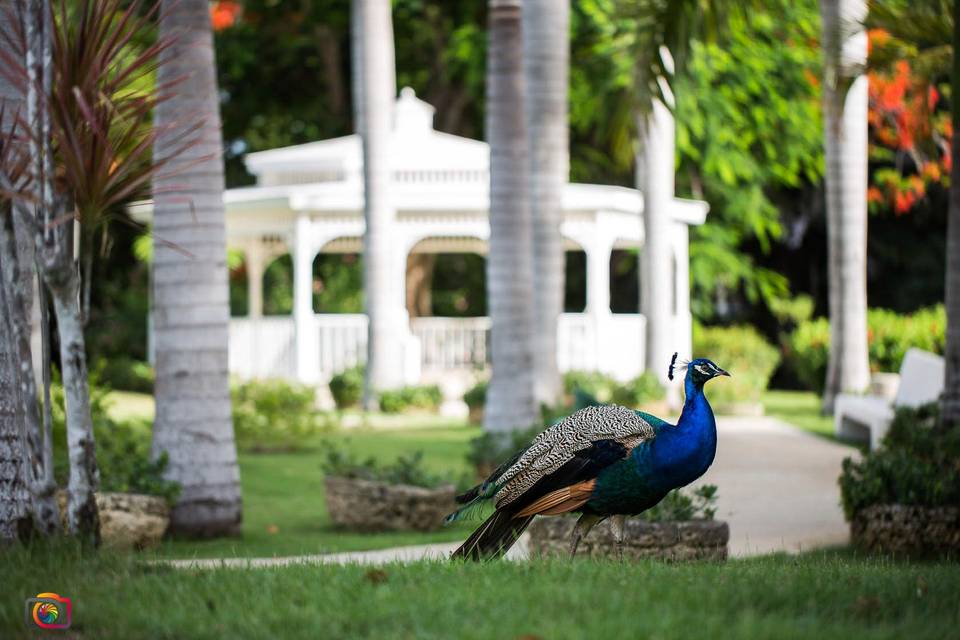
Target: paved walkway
(777,487)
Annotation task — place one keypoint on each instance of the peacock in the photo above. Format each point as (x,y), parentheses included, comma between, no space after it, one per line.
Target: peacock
(602,461)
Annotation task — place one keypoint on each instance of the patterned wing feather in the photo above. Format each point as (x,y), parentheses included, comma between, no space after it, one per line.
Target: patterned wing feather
(559,443)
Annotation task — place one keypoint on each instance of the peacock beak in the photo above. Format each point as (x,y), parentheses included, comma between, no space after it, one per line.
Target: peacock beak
(721,372)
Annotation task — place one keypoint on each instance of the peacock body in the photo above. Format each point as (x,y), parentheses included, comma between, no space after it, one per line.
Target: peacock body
(601,462)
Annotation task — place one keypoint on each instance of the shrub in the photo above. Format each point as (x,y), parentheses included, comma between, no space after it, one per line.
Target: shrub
(122,448)
(406,469)
(346,387)
(125,374)
(918,464)
(744,353)
(889,336)
(399,400)
(597,384)
(476,395)
(641,390)
(679,505)
(274,415)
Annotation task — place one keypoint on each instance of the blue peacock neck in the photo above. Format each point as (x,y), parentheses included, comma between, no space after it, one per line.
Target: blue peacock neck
(691,446)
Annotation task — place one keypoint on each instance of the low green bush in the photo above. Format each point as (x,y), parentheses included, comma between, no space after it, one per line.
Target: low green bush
(743,352)
(599,385)
(122,448)
(918,464)
(406,469)
(428,397)
(274,415)
(889,336)
(346,387)
(476,395)
(681,505)
(640,390)
(125,374)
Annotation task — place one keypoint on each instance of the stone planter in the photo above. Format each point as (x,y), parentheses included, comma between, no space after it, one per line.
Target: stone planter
(674,541)
(128,520)
(364,505)
(911,530)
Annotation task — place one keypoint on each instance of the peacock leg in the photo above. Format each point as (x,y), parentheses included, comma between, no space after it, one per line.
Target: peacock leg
(584,524)
(619,526)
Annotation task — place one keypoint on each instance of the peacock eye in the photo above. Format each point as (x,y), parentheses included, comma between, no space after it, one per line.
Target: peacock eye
(702,369)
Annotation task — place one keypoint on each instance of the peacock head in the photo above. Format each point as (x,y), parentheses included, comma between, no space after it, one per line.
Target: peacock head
(699,371)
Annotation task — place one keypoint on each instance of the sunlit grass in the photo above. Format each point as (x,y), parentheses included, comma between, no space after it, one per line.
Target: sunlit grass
(799,408)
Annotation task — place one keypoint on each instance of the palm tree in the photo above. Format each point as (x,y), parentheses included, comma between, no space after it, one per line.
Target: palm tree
(193,422)
(510,401)
(374,91)
(845,146)
(546,56)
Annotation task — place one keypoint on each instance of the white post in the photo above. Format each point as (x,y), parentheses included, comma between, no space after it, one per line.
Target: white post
(598,295)
(308,354)
(255,266)
(656,282)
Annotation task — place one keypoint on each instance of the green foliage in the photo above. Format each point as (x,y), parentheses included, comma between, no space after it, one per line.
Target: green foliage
(406,469)
(122,448)
(600,385)
(476,395)
(680,505)
(889,336)
(489,449)
(917,464)
(640,390)
(743,352)
(426,397)
(338,283)
(749,141)
(125,374)
(346,387)
(274,415)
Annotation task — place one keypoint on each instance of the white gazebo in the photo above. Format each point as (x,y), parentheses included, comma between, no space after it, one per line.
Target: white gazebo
(308,199)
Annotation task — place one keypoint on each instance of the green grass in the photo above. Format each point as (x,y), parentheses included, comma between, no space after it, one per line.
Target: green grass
(817,595)
(284,511)
(128,405)
(799,408)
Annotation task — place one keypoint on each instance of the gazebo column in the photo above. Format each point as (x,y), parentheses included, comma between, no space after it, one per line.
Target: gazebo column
(307,347)
(255,260)
(598,294)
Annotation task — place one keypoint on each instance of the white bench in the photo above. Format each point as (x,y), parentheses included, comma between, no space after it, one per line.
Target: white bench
(859,417)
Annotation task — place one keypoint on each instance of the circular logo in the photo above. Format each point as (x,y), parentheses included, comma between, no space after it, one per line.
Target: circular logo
(46,612)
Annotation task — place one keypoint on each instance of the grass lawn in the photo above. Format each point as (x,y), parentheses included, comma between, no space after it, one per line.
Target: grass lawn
(799,408)
(820,594)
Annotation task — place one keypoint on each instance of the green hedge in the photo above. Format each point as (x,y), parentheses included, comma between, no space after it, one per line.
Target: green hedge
(346,387)
(125,374)
(917,465)
(889,336)
(743,352)
(406,469)
(274,415)
(427,397)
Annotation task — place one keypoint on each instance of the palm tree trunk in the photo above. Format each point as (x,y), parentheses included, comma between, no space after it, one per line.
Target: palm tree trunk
(546,55)
(950,401)
(510,401)
(374,93)
(845,138)
(656,180)
(193,423)
(14,487)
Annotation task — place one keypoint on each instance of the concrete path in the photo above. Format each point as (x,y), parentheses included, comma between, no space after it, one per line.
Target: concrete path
(777,487)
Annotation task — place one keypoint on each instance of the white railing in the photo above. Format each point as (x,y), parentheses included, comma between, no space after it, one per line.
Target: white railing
(342,341)
(266,347)
(263,347)
(452,343)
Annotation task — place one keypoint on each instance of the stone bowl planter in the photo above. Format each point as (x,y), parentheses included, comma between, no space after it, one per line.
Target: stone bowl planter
(673,541)
(905,529)
(365,505)
(128,520)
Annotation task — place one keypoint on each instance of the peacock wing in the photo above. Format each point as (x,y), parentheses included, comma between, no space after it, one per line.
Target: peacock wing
(573,450)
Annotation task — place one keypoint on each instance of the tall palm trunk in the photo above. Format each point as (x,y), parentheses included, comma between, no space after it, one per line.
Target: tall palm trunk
(950,402)
(510,401)
(845,137)
(546,55)
(193,423)
(374,94)
(656,179)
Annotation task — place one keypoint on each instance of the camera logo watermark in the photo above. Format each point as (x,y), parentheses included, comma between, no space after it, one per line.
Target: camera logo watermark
(48,611)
